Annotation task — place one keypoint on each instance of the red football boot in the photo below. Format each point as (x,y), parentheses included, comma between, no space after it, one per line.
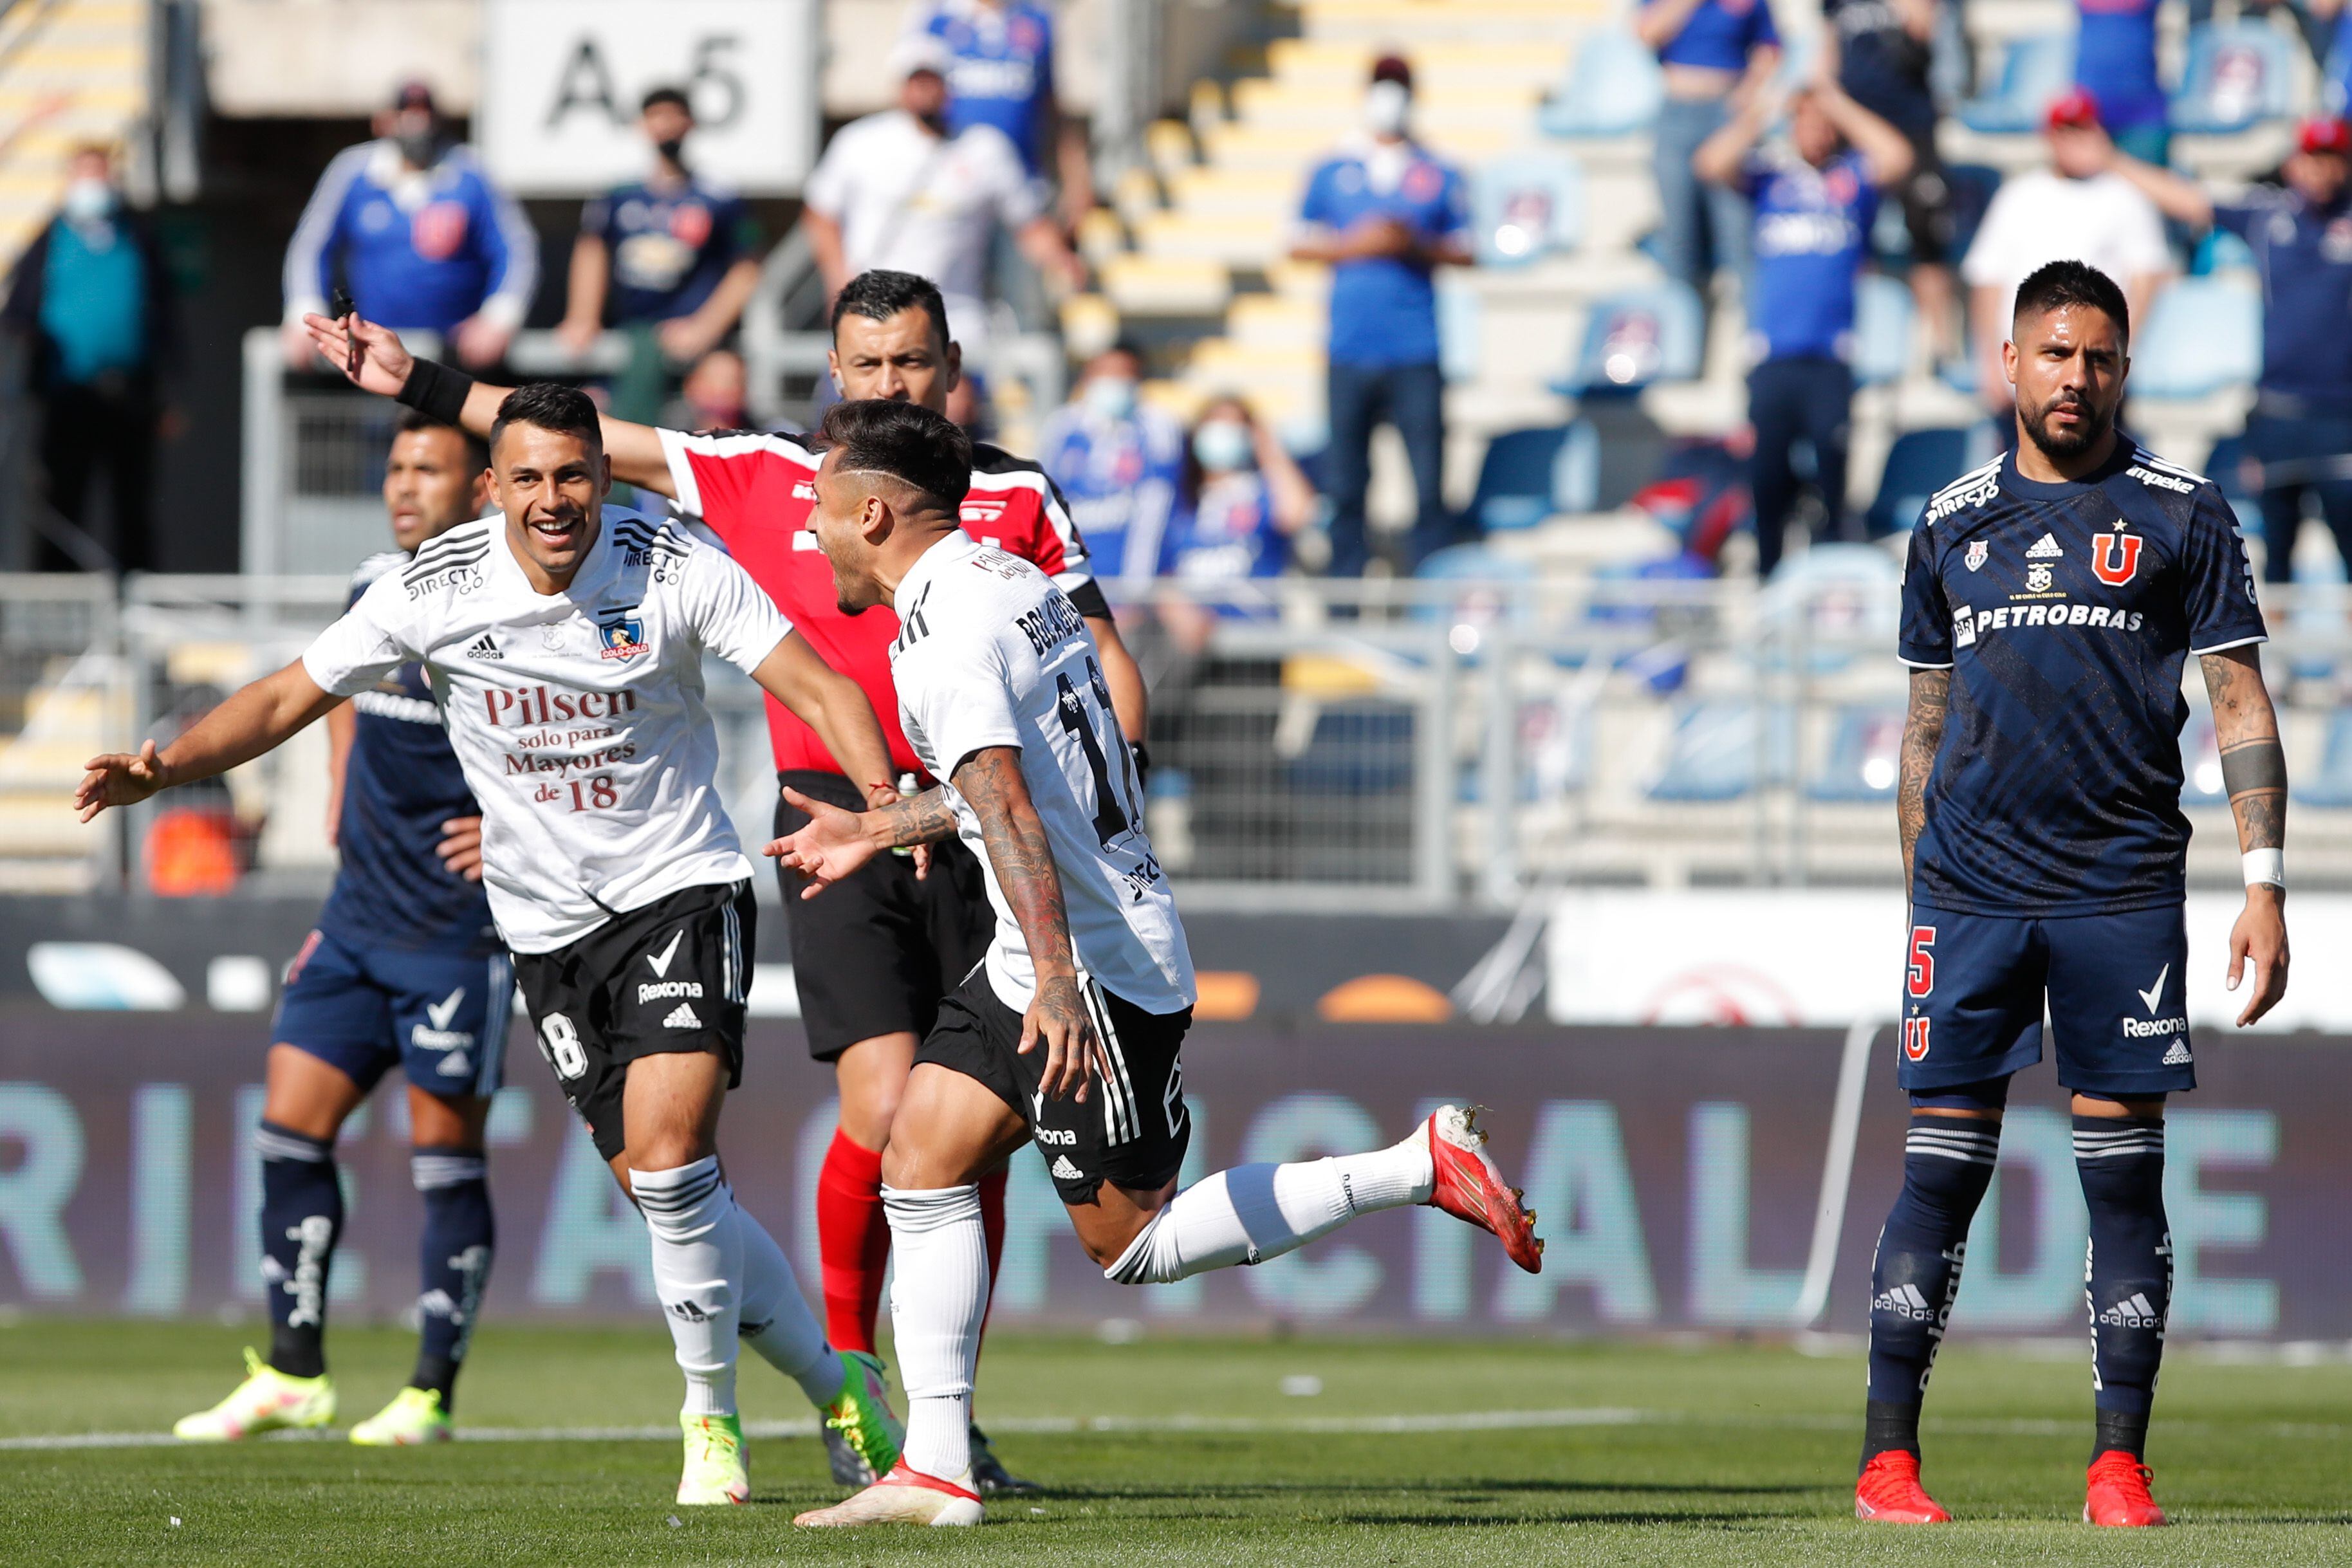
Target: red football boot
(1889,1492)
(1470,1187)
(2118,1493)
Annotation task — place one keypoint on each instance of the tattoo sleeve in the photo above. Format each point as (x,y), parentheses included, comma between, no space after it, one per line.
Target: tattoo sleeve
(923,818)
(2253,763)
(991,783)
(1923,733)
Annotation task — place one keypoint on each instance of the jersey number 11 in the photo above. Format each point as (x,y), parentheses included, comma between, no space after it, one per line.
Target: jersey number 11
(1088,730)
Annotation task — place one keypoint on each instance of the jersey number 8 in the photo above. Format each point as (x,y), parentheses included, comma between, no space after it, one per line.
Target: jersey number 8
(558,1042)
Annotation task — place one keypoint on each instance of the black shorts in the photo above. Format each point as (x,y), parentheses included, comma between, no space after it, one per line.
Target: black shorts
(665,979)
(1133,1129)
(1926,201)
(874,954)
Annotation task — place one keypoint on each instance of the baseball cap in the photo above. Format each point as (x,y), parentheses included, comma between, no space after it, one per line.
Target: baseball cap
(2325,133)
(414,93)
(921,52)
(2075,108)
(1393,66)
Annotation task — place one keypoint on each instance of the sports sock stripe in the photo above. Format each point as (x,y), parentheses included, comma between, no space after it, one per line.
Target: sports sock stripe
(1118,1112)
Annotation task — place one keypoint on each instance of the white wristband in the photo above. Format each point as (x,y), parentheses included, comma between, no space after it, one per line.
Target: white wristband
(2265,866)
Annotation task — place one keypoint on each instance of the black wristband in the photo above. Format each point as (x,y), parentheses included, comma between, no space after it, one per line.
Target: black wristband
(1142,755)
(438,391)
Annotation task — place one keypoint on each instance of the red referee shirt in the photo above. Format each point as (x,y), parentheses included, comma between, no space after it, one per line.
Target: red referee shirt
(755,492)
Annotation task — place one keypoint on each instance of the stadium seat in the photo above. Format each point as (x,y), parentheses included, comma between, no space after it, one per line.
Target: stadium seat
(2203,335)
(1459,359)
(1529,475)
(1712,755)
(1833,600)
(2201,764)
(1883,314)
(1614,88)
(2238,75)
(2331,788)
(2033,71)
(1636,338)
(1356,749)
(1526,206)
(1919,464)
(1864,754)
(2225,466)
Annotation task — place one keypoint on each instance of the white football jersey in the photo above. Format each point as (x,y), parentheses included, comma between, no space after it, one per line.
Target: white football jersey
(991,652)
(578,716)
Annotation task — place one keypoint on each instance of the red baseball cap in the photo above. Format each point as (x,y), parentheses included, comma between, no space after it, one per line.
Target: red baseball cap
(2326,133)
(2075,108)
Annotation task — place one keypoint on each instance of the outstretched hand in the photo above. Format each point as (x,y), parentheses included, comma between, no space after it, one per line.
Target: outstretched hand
(831,846)
(385,360)
(2259,938)
(119,780)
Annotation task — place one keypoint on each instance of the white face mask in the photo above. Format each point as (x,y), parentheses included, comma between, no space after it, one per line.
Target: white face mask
(1224,447)
(88,200)
(1387,104)
(1110,397)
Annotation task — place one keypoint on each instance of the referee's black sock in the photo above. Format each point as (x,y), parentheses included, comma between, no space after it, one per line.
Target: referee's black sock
(301,1216)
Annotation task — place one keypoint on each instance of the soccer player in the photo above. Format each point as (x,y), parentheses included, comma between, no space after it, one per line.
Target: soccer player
(566,658)
(2050,601)
(872,964)
(404,969)
(1068,1032)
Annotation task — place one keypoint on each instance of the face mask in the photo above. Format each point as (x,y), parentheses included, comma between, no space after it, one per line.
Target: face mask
(1224,447)
(418,147)
(1386,106)
(1110,397)
(674,150)
(86,200)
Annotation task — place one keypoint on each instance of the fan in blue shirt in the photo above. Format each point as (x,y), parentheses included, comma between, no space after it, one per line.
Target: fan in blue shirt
(999,72)
(2115,59)
(1118,462)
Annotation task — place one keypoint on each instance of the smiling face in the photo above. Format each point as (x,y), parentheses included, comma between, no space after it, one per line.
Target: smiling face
(2068,367)
(430,484)
(550,484)
(843,519)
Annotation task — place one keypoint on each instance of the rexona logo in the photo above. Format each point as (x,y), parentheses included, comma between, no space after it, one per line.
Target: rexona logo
(523,707)
(2153,1029)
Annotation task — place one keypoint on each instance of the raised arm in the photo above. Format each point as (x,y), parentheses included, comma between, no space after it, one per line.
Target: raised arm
(1885,150)
(831,705)
(255,719)
(1923,733)
(2254,770)
(1720,157)
(1662,22)
(2181,199)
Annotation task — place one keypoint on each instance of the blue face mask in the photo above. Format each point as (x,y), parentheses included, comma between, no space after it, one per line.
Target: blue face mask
(1110,397)
(88,200)
(1224,447)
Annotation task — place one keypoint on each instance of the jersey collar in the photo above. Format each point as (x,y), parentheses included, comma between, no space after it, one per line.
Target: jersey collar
(2017,483)
(952,548)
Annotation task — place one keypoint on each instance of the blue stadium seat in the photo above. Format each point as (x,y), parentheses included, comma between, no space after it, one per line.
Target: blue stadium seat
(1525,206)
(2221,251)
(2203,336)
(2332,787)
(1614,88)
(1919,464)
(2201,764)
(1864,755)
(2239,74)
(1530,475)
(1459,357)
(2033,71)
(1882,313)
(2225,466)
(1636,338)
(1712,755)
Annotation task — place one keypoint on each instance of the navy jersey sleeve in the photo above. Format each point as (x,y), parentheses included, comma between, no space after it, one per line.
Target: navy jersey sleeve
(2217,584)
(1925,642)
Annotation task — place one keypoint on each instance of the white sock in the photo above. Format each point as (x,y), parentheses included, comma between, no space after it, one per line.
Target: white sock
(776,1319)
(938,1297)
(698,1246)
(1255,1212)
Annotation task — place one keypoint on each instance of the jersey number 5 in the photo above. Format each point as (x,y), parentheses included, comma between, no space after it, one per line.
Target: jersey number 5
(1088,729)
(1922,967)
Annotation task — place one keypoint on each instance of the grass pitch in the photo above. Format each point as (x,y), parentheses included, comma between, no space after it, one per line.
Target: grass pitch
(1170,1451)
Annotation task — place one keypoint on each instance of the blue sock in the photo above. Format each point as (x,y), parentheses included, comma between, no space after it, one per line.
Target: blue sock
(2128,1280)
(459,1234)
(1947,1165)
(301,1216)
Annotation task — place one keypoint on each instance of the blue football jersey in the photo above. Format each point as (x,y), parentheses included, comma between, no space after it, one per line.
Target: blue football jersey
(401,782)
(2065,613)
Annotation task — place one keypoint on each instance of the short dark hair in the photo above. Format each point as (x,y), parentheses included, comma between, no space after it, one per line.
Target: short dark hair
(2055,284)
(550,405)
(923,450)
(477,454)
(881,294)
(661,95)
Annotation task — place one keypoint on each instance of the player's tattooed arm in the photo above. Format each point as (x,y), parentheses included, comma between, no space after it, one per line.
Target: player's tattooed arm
(835,843)
(2253,771)
(1923,733)
(991,783)
(912,819)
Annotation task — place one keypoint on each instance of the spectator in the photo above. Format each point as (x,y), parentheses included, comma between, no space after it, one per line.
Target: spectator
(1243,501)
(1814,203)
(1385,213)
(1716,55)
(2300,432)
(669,249)
(1879,52)
(2330,33)
(2078,208)
(420,237)
(900,191)
(715,396)
(1118,462)
(93,298)
(2114,62)
(1001,73)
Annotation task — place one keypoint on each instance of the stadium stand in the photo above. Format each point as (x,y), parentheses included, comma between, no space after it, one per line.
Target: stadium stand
(71,71)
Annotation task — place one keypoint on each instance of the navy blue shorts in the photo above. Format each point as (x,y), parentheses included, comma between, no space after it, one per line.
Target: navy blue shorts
(441,1016)
(2117,985)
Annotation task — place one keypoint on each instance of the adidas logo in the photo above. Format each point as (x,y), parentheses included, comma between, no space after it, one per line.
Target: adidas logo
(2178,1055)
(682,1016)
(485,647)
(691,1311)
(2045,548)
(2139,1312)
(1064,1170)
(1905,1302)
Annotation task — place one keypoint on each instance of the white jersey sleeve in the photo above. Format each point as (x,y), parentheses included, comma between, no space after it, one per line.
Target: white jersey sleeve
(374,637)
(732,616)
(961,701)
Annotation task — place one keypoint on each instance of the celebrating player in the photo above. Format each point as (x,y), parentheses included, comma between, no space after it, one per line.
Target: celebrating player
(2049,602)
(566,657)
(871,964)
(1068,1032)
(404,969)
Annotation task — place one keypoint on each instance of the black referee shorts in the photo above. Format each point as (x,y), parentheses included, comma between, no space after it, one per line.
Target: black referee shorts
(874,954)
